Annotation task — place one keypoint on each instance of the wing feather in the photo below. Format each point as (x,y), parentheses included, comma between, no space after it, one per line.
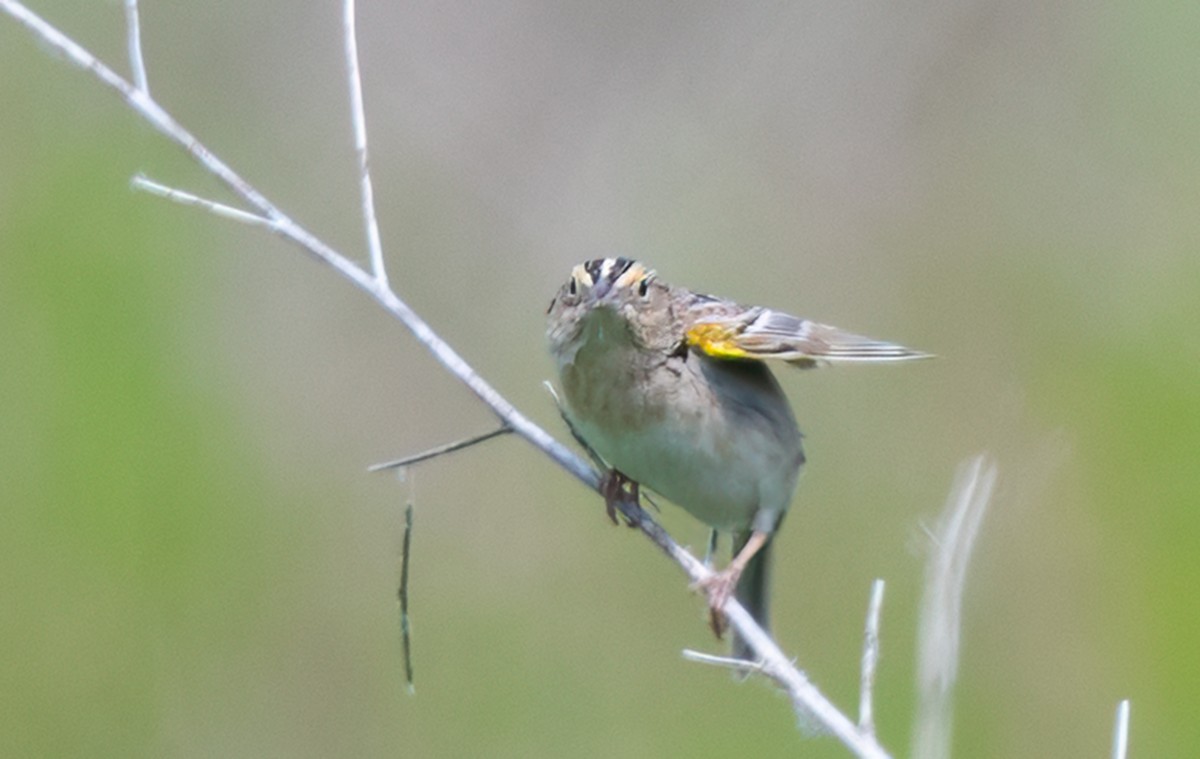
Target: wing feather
(761,333)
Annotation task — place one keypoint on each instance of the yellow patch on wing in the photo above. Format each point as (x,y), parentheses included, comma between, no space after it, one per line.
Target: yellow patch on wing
(717,340)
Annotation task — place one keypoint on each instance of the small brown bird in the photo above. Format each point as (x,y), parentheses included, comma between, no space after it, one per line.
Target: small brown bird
(669,387)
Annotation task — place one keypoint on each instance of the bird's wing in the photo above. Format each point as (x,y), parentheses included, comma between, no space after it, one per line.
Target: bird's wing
(760,333)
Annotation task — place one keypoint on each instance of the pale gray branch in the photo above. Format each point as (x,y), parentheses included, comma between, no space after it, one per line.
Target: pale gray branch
(870,660)
(441,450)
(143,183)
(358,121)
(941,606)
(728,662)
(807,700)
(133,40)
(1121,731)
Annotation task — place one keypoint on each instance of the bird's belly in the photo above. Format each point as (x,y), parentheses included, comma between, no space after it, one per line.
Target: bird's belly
(722,473)
(717,438)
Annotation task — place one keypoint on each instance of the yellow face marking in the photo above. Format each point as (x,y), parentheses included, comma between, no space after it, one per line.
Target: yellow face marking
(716,340)
(581,276)
(632,276)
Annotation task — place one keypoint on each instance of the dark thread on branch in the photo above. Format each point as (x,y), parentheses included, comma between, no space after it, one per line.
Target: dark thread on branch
(402,594)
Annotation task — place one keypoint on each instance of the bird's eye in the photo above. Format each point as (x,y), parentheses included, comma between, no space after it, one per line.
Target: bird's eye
(644,287)
(571,286)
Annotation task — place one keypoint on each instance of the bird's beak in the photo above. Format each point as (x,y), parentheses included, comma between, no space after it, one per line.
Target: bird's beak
(600,289)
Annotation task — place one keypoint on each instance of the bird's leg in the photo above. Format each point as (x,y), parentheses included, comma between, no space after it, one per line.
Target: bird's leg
(616,489)
(720,586)
(712,548)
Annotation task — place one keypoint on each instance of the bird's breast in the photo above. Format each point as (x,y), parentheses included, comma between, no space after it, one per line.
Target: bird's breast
(715,437)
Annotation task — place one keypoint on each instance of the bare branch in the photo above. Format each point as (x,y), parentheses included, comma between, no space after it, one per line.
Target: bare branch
(807,700)
(133,32)
(457,445)
(870,660)
(1121,731)
(941,607)
(359,121)
(729,662)
(141,182)
(142,104)
(809,704)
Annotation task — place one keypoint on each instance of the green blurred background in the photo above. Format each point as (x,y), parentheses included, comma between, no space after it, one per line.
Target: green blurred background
(195,562)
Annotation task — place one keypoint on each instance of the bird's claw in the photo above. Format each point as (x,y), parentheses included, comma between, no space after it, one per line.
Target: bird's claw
(617,490)
(719,587)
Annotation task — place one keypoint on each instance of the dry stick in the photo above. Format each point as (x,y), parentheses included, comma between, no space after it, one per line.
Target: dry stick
(941,605)
(1121,731)
(457,445)
(140,182)
(870,660)
(405,631)
(358,120)
(133,40)
(741,665)
(806,699)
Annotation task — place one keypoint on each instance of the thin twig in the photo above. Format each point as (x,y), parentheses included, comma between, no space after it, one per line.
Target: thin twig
(359,121)
(141,182)
(405,630)
(144,105)
(457,445)
(941,606)
(1121,731)
(870,660)
(729,662)
(133,37)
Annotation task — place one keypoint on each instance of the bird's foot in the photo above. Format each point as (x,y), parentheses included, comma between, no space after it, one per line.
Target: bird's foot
(618,489)
(719,587)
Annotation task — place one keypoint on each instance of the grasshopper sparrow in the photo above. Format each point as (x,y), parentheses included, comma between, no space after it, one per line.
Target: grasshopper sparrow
(670,388)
